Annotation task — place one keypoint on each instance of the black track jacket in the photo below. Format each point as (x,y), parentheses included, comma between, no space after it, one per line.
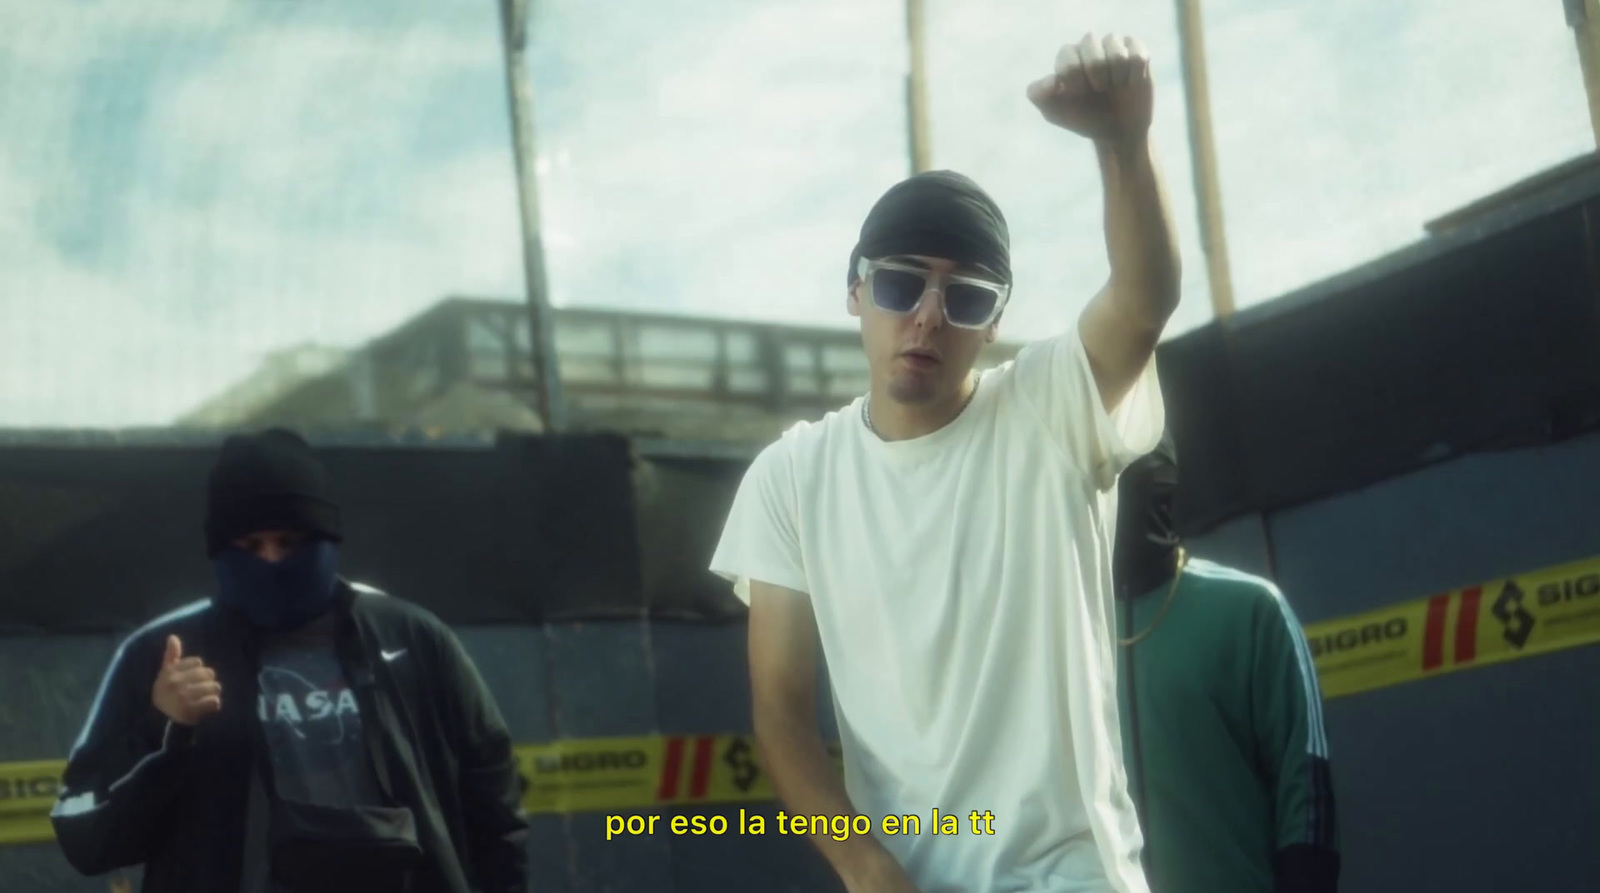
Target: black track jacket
(139,789)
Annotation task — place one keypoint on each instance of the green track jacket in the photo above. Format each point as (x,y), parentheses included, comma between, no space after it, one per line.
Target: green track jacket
(1222,728)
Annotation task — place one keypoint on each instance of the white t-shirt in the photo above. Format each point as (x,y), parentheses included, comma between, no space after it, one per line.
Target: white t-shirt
(961,583)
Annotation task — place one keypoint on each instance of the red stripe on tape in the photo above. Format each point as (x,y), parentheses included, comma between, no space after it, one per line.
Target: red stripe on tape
(702,766)
(1467,625)
(1433,638)
(671,769)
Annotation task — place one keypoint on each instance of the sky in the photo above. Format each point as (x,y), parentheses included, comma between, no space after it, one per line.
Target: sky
(189,185)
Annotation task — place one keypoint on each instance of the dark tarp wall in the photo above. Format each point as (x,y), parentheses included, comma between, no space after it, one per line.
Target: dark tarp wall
(1486,338)
(1205,422)
(682,505)
(1496,344)
(530,529)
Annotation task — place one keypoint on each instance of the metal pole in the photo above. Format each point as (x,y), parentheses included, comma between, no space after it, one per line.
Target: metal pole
(1584,18)
(917,88)
(1203,154)
(552,406)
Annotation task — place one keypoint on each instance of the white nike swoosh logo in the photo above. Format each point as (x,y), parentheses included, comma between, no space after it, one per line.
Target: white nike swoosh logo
(391,655)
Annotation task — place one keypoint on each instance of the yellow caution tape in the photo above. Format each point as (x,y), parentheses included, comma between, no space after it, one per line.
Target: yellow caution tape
(574,775)
(1504,620)
(1507,619)
(608,774)
(27,791)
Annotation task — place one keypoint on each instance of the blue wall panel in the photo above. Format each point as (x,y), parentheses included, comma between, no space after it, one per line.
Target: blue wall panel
(1240,544)
(703,686)
(513,661)
(49,684)
(601,684)
(1482,780)
(702,678)
(1466,521)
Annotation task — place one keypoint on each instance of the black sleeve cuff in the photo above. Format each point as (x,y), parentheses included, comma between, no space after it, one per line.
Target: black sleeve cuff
(1304,868)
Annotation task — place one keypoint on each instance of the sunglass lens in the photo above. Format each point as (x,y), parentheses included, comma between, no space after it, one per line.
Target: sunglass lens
(970,305)
(896,291)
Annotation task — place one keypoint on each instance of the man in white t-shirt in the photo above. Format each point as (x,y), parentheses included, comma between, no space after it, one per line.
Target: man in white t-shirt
(946,537)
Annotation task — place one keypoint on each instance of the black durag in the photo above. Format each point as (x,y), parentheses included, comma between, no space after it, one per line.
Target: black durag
(939,214)
(1145,553)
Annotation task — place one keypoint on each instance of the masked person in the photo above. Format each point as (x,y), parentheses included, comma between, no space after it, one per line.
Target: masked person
(1227,756)
(295,731)
(946,539)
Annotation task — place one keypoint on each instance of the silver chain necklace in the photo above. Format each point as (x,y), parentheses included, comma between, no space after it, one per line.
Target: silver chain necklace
(866,408)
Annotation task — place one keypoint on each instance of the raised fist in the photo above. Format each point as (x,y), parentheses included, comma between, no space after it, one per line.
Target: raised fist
(186,690)
(1101,89)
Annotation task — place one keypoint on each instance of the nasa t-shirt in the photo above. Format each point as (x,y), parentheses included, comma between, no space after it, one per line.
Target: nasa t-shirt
(312,721)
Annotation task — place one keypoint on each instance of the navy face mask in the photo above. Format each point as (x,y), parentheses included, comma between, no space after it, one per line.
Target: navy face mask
(283,596)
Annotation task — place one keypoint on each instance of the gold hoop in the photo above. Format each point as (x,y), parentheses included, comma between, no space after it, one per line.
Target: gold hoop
(1183,559)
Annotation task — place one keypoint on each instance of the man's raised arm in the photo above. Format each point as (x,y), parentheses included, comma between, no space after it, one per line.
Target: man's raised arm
(1102,90)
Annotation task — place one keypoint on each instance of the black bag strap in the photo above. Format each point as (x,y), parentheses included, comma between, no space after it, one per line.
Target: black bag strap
(261,797)
(370,694)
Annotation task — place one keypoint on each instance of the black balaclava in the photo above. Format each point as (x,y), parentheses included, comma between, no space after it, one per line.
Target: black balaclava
(271,481)
(937,214)
(1145,553)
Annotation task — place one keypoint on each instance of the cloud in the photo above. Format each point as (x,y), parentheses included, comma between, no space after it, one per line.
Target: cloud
(190,184)
(277,194)
(72,336)
(1381,116)
(733,156)
(44,37)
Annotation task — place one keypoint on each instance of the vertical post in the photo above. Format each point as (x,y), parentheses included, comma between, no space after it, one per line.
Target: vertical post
(1583,16)
(1203,156)
(917,88)
(519,92)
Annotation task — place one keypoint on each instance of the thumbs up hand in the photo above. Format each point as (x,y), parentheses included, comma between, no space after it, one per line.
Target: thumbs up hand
(186,690)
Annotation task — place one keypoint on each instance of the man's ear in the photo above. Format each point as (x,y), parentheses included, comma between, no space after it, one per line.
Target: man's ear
(992,333)
(852,301)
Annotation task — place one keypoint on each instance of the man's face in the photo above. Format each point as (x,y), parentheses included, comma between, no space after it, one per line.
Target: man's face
(271,546)
(919,357)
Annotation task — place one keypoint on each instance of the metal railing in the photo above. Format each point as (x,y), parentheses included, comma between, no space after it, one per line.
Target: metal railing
(465,364)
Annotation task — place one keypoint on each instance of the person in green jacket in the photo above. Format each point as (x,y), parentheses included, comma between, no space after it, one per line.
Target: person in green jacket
(1222,729)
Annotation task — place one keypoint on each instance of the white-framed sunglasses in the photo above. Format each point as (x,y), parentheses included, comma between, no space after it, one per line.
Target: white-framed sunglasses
(899,288)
